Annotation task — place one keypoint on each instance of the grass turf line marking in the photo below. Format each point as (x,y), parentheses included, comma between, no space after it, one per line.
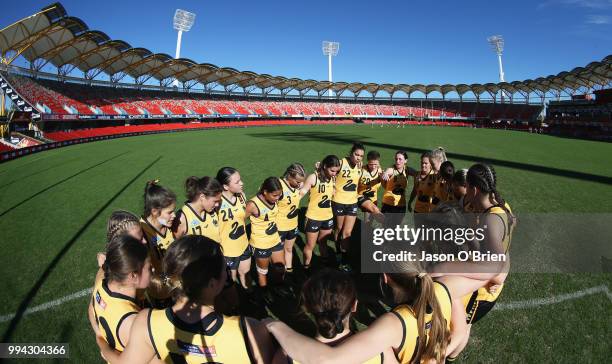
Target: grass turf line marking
(499,307)
(51,304)
(553,300)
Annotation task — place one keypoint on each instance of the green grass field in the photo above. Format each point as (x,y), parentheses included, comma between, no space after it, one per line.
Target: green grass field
(54,206)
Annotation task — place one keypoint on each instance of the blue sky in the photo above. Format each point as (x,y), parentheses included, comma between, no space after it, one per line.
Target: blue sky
(387,41)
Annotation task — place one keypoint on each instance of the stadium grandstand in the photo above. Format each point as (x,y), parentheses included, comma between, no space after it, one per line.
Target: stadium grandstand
(65,108)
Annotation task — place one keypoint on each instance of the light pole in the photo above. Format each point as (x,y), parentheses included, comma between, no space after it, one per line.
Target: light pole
(497,43)
(330,49)
(183,21)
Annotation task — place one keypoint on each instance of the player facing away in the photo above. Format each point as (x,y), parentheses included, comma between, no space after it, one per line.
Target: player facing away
(417,330)
(114,301)
(330,296)
(191,331)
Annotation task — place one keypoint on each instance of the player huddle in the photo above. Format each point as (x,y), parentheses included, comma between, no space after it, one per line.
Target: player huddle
(167,287)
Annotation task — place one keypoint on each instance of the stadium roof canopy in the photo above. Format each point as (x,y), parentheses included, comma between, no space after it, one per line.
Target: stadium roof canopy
(51,36)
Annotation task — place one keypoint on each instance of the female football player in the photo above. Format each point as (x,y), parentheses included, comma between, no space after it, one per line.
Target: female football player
(191,330)
(484,279)
(417,329)
(287,219)
(330,297)
(156,223)
(232,226)
(394,197)
(199,216)
(262,210)
(344,201)
(367,191)
(114,303)
(424,186)
(319,215)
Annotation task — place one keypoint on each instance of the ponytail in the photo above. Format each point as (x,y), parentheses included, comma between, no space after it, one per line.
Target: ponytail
(432,345)
(157,196)
(207,186)
(416,289)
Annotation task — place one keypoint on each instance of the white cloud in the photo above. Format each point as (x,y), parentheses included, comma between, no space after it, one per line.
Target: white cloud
(591,4)
(598,19)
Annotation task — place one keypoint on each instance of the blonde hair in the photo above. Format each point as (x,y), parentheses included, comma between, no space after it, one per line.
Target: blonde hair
(418,291)
(439,154)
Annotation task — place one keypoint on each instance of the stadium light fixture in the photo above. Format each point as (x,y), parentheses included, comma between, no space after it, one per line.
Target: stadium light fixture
(330,49)
(497,43)
(183,21)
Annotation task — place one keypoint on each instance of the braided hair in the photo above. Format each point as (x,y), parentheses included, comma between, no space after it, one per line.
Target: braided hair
(483,177)
(120,222)
(294,170)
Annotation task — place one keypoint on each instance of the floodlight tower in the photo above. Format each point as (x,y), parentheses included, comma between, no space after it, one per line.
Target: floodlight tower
(497,42)
(183,21)
(330,49)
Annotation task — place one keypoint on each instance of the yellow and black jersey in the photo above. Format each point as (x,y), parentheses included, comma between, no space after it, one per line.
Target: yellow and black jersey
(205,224)
(110,310)
(232,226)
(444,190)
(346,183)
(214,339)
(425,193)
(288,207)
(395,189)
(157,242)
(319,205)
(483,294)
(369,183)
(410,338)
(264,232)
(378,359)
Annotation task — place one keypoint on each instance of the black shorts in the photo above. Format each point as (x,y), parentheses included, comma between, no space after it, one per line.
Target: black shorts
(288,235)
(393,209)
(313,226)
(234,262)
(362,199)
(477,309)
(266,253)
(342,209)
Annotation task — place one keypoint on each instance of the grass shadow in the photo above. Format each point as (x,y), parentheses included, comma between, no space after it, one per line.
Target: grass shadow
(47,272)
(59,183)
(343,139)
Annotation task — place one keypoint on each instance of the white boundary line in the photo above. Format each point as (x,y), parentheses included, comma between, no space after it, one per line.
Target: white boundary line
(48,305)
(553,300)
(517,305)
